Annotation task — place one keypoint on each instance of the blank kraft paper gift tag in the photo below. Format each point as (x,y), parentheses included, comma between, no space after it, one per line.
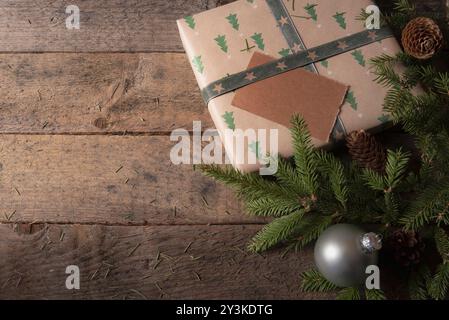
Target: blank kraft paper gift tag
(318,99)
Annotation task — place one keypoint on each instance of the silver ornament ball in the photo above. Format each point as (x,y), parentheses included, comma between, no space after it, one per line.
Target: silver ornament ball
(343,252)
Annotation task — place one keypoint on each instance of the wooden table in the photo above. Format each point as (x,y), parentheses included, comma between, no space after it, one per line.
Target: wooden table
(85,174)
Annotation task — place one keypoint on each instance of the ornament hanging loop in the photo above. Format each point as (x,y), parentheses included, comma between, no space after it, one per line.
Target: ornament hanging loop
(371,242)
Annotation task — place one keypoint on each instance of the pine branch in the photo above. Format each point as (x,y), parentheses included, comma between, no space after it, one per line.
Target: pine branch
(312,281)
(248,186)
(386,75)
(404,7)
(440,282)
(395,168)
(426,206)
(276,231)
(310,229)
(442,83)
(272,206)
(418,282)
(335,172)
(374,294)
(442,243)
(403,12)
(304,155)
(391,207)
(288,177)
(349,294)
(374,180)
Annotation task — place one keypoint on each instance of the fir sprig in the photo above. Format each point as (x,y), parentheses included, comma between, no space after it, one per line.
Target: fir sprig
(313,280)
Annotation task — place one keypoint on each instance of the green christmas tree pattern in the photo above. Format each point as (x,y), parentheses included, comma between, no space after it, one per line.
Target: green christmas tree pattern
(358,56)
(232,19)
(198,64)
(222,43)
(284,52)
(350,98)
(340,18)
(324,63)
(190,21)
(311,11)
(384,118)
(228,117)
(254,147)
(258,39)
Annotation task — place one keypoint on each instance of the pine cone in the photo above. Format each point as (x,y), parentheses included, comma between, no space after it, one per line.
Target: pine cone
(422,38)
(366,150)
(406,247)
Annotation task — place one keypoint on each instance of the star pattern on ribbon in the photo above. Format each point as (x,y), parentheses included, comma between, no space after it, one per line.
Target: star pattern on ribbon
(312,55)
(372,35)
(218,88)
(250,76)
(281,65)
(282,21)
(296,48)
(342,45)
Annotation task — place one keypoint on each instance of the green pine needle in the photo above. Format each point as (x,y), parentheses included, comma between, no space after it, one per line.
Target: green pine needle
(397,162)
(442,243)
(289,178)
(418,283)
(374,294)
(374,180)
(440,282)
(247,186)
(310,229)
(276,231)
(349,294)
(272,206)
(304,154)
(312,280)
(335,172)
(426,206)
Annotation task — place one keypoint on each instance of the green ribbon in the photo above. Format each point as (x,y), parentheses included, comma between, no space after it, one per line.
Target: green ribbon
(293,61)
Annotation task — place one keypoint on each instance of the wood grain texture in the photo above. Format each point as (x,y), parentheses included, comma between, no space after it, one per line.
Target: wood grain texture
(108,25)
(195,262)
(107,180)
(98,93)
(105,25)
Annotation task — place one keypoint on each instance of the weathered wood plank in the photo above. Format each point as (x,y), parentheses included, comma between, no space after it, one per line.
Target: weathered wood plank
(91,93)
(105,25)
(107,180)
(195,262)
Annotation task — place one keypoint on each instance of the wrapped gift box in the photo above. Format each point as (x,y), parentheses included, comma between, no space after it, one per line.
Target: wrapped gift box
(248,46)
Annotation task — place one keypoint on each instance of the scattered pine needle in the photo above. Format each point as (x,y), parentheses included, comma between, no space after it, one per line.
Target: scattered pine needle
(159,287)
(188,247)
(139,293)
(204,200)
(166,256)
(134,249)
(197,276)
(119,168)
(156,264)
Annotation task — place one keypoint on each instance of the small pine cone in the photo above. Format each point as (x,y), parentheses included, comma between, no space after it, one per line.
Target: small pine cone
(366,150)
(422,38)
(406,247)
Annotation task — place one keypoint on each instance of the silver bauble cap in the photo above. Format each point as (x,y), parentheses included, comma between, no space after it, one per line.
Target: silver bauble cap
(371,242)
